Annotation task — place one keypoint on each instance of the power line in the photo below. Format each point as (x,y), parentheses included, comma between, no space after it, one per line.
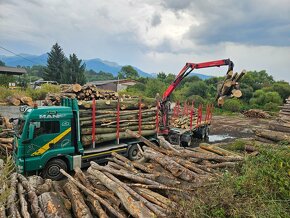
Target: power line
(17,55)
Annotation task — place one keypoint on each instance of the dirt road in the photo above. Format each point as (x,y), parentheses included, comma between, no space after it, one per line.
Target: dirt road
(237,126)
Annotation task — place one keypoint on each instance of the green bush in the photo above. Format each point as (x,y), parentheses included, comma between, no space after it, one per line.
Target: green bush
(271,106)
(258,187)
(233,105)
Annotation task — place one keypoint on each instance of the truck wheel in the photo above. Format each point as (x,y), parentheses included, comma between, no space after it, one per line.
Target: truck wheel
(52,169)
(133,152)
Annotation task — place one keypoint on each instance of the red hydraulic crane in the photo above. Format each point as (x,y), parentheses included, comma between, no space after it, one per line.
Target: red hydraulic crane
(186,70)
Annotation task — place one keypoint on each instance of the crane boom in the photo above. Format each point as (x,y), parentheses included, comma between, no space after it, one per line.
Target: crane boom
(185,71)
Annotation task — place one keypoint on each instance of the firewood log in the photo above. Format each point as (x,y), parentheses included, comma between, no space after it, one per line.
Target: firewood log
(52,206)
(79,207)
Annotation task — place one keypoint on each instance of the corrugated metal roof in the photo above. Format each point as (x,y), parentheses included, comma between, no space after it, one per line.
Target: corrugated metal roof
(12,70)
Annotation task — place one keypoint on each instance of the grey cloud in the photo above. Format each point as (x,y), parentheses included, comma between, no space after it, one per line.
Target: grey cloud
(156,20)
(245,22)
(177,4)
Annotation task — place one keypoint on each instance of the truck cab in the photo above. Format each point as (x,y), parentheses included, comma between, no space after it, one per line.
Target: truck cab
(44,134)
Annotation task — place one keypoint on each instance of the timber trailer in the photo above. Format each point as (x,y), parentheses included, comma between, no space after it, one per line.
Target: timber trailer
(59,146)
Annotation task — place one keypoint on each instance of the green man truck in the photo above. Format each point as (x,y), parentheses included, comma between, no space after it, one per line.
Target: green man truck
(48,139)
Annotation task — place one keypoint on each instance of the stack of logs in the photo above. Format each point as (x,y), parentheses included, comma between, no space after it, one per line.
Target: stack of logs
(183,122)
(82,93)
(17,100)
(106,118)
(6,135)
(256,113)
(150,187)
(229,87)
(279,129)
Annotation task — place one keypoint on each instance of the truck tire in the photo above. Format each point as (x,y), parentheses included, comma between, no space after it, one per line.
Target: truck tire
(52,169)
(133,152)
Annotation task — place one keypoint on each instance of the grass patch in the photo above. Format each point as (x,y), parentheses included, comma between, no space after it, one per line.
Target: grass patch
(260,187)
(35,94)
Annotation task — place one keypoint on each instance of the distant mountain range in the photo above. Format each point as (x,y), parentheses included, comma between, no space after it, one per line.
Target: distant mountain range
(91,64)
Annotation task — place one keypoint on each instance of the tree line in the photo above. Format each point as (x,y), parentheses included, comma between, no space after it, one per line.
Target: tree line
(259,90)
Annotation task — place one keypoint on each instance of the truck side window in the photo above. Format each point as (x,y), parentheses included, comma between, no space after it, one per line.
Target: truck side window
(46,127)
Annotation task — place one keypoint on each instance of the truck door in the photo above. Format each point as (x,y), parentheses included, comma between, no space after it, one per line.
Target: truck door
(50,139)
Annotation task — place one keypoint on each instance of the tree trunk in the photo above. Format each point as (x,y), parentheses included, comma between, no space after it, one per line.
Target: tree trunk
(89,192)
(96,207)
(217,150)
(279,127)
(79,207)
(273,135)
(125,174)
(103,130)
(23,202)
(155,197)
(148,204)
(176,169)
(52,206)
(87,139)
(6,140)
(135,208)
(129,104)
(12,198)
(13,101)
(58,189)
(32,197)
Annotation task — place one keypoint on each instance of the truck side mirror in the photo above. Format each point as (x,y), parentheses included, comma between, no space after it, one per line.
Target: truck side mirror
(31,131)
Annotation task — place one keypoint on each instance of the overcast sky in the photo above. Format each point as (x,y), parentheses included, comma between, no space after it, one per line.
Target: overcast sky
(154,35)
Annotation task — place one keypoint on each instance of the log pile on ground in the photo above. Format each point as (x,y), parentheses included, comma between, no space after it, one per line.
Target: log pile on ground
(82,93)
(18,100)
(256,113)
(230,87)
(149,187)
(279,129)
(6,135)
